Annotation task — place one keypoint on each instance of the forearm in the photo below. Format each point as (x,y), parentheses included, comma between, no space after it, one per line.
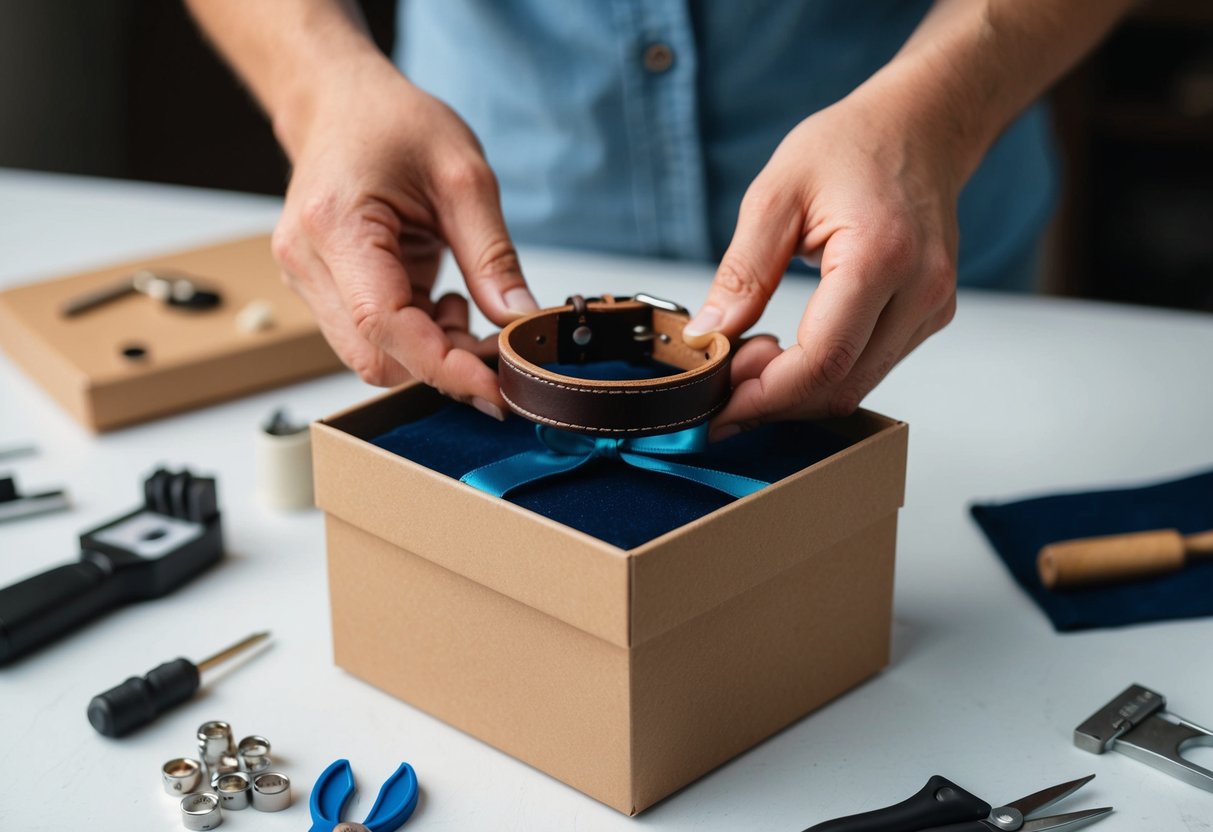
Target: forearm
(291,53)
(973,65)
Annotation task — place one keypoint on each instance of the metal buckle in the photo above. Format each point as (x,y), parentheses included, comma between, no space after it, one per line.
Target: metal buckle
(660,303)
(644,333)
(640,297)
(582,335)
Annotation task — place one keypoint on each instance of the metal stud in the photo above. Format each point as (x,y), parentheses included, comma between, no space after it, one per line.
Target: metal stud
(640,332)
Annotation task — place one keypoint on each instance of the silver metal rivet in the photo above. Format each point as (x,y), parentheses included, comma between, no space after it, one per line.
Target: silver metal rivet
(226,764)
(180,776)
(271,792)
(214,741)
(201,811)
(582,336)
(254,753)
(254,746)
(234,790)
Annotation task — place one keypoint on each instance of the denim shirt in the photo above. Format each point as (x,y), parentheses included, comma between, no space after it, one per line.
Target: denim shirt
(635,126)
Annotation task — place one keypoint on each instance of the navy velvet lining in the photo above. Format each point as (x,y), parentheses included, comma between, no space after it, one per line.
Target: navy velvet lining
(1018,531)
(609,500)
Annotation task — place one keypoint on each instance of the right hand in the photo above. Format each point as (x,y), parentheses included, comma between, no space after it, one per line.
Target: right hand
(385,177)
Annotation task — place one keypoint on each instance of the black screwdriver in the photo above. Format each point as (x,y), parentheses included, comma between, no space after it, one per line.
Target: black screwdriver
(139,700)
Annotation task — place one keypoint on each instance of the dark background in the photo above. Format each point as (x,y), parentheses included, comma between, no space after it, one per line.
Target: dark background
(128,88)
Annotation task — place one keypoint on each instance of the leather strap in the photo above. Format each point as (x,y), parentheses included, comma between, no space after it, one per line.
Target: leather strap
(607,329)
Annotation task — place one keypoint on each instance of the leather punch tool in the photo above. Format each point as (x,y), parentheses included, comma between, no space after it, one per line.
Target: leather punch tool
(173,537)
(943,806)
(1137,723)
(633,329)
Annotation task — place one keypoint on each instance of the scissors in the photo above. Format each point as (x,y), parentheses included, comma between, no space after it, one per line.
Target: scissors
(943,806)
(335,786)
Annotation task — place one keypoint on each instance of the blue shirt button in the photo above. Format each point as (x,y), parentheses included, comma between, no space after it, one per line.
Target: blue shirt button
(658,57)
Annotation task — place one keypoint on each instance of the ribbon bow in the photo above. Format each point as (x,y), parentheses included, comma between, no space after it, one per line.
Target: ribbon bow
(565,452)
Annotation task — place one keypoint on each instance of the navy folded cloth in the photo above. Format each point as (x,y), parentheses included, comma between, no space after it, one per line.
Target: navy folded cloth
(1019,530)
(612,501)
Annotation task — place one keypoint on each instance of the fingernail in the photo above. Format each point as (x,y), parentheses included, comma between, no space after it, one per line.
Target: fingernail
(706,320)
(724,432)
(520,300)
(488,408)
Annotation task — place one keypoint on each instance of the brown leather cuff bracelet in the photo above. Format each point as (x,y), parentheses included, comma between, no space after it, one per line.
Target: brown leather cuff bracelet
(611,329)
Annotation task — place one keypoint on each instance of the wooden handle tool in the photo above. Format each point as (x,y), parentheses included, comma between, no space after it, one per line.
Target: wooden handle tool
(1119,557)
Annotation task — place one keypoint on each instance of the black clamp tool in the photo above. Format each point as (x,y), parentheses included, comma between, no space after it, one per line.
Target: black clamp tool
(148,553)
(943,806)
(14,505)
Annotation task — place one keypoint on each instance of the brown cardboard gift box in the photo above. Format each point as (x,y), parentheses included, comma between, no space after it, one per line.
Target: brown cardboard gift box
(626,674)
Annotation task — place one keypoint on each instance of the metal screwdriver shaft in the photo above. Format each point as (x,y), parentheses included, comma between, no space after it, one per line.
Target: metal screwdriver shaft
(229,652)
(139,700)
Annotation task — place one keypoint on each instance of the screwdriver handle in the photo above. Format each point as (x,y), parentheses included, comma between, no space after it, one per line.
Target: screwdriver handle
(139,700)
(41,608)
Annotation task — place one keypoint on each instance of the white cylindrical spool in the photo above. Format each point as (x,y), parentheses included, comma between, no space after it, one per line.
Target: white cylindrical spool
(284,469)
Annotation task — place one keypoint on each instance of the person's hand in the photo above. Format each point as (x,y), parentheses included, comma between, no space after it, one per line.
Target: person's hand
(871,198)
(385,176)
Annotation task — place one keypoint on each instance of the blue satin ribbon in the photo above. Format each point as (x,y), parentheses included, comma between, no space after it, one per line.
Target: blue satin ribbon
(565,452)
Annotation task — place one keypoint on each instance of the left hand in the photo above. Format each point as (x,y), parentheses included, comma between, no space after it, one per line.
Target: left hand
(868,194)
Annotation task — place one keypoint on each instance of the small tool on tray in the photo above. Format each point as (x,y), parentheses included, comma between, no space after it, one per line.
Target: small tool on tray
(140,699)
(335,786)
(942,806)
(1120,557)
(11,452)
(15,505)
(1137,724)
(170,288)
(171,538)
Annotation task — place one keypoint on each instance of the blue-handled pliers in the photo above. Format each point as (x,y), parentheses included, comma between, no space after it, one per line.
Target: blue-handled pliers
(335,786)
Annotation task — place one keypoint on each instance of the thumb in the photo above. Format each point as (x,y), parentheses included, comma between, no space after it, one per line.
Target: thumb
(768,233)
(475,230)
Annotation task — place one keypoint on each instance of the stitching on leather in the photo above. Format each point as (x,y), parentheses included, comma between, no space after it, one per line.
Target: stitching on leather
(556,423)
(612,390)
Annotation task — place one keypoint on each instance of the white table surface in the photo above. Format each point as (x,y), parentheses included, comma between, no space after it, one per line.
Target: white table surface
(1019,396)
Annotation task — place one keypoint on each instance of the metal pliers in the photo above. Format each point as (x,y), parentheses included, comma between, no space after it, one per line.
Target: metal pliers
(942,806)
(335,786)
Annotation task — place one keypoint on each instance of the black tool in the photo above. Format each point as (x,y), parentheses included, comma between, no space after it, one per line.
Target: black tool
(140,699)
(145,554)
(280,424)
(14,505)
(170,288)
(943,806)
(10,452)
